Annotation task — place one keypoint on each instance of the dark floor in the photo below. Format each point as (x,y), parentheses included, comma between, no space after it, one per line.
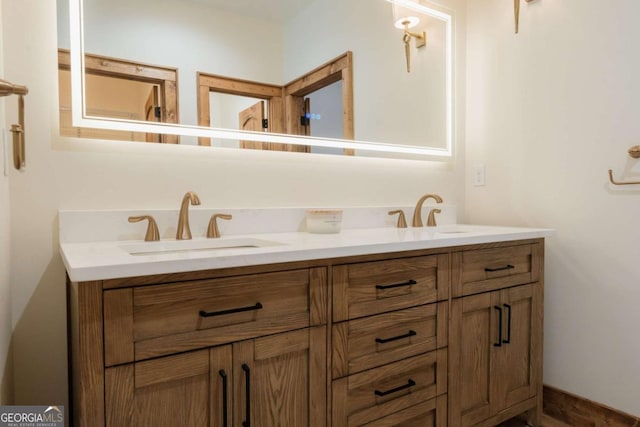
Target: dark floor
(547,421)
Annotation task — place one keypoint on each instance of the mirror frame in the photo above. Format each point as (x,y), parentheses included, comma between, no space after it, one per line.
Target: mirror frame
(81,119)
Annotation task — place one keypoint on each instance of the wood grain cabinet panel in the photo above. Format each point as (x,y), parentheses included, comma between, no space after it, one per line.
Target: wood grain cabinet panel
(179,317)
(373,341)
(432,413)
(520,360)
(164,392)
(281,376)
(284,379)
(472,335)
(371,395)
(482,270)
(369,288)
(495,345)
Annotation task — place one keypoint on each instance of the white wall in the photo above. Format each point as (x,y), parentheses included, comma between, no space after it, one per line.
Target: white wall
(6,386)
(86,174)
(549,111)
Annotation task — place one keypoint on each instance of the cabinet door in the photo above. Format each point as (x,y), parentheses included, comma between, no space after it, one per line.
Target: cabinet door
(517,361)
(280,380)
(473,335)
(495,344)
(169,391)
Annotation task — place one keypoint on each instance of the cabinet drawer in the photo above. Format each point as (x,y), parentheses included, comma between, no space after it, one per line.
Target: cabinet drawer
(368,396)
(483,270)
(369,288)
(432,413)
(369,342)
(172,318)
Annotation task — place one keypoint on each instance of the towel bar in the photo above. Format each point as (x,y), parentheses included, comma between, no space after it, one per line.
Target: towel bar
(6,89)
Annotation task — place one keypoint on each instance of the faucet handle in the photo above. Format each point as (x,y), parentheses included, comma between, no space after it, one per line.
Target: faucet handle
(402,222)
(153,235)
(431,220)
(212,230)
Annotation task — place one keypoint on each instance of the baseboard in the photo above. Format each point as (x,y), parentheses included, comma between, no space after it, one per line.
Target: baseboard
(580,412)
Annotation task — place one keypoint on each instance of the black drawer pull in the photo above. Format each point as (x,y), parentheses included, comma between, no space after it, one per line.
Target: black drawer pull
(409,383)
(247,373)
(203,313)
(508,339)
(397,285)
(225,398)
(499,343)
(411,333)
(506,267)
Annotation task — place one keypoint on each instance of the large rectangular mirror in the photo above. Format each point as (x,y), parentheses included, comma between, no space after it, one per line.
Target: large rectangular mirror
(332,76)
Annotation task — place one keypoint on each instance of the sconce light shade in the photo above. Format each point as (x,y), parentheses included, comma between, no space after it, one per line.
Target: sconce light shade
(403,17)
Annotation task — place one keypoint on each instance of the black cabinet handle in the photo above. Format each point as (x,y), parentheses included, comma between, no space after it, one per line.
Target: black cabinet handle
(508,339)
(411,333)
(225,397)
(409,383)
(397,285)
(506,267)
(203,313)
(247,373)
(499,343)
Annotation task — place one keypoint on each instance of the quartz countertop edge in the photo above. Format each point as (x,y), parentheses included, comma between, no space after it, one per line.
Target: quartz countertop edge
(108,260)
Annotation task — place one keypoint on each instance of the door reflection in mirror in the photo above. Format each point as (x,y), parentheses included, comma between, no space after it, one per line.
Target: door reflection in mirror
(231,103)
(120,89)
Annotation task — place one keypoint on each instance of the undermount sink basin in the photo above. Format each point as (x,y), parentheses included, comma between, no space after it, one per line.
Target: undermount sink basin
(453,229)
(178,246)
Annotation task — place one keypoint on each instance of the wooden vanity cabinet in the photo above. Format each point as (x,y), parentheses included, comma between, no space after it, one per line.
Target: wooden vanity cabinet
(439,337)
(496,336)
(179,350)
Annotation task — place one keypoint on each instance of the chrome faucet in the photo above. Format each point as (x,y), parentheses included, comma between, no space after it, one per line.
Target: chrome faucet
(417,213)
(184,231)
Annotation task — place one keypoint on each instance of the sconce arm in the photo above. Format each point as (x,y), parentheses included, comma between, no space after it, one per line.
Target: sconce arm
(421,38)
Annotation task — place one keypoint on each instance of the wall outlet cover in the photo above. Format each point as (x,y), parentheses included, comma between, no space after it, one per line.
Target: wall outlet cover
(479,175)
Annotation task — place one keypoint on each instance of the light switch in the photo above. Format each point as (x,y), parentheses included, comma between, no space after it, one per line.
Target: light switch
(478,175)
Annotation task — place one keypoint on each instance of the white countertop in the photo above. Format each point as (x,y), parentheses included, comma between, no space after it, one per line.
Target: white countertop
(104,260)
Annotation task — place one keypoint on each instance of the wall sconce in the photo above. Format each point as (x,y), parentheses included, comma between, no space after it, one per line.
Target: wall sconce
(7,89)
(516,12)
(405,18)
